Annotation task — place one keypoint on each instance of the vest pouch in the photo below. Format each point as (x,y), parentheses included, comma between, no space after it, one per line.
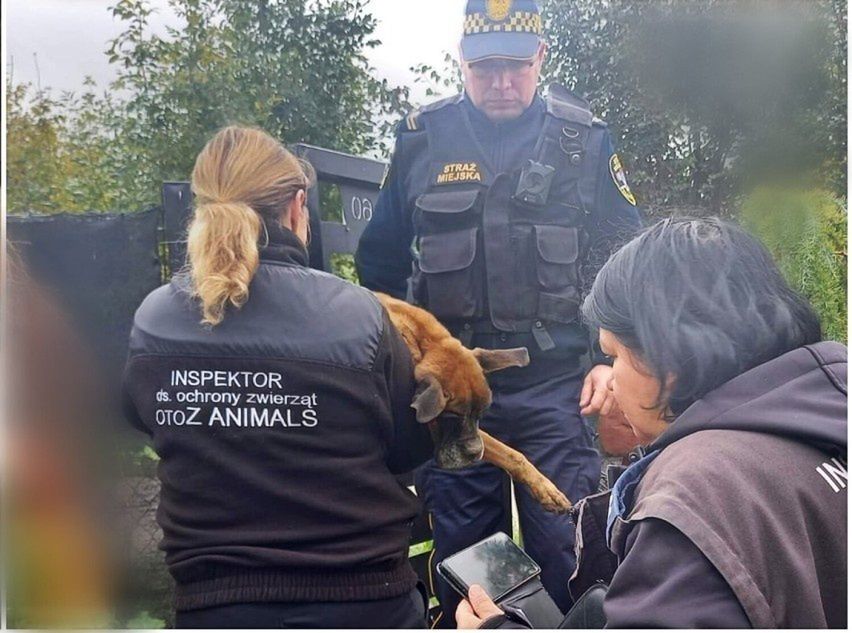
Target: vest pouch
(558,248)
(557,251)
(442,211)
(448,267)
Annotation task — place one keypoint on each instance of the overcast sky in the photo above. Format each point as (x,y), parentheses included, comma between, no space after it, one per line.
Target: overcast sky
(68,38)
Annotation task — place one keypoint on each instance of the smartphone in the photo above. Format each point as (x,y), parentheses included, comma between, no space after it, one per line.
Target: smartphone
(495,563)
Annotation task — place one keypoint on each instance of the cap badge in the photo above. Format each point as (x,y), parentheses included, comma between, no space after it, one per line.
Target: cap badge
(498,10)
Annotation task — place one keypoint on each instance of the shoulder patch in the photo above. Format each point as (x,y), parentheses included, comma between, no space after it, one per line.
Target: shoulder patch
(620,179)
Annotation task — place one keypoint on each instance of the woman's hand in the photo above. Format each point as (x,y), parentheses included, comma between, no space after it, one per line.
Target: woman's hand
(615,434)
(596,396)
(478,608)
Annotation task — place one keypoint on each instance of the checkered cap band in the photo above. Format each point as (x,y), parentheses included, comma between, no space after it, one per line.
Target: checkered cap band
(517,22)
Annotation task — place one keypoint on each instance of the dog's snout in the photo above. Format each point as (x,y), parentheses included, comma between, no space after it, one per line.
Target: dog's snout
(473,448)
(457,441)
(460,454)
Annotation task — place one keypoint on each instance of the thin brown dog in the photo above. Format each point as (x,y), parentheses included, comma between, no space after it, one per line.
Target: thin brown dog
(451,380)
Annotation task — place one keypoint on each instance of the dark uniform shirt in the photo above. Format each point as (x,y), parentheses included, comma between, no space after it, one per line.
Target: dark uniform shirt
(384,255)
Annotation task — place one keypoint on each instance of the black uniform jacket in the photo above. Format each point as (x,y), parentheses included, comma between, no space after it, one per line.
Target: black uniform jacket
(384,256)
(279,432)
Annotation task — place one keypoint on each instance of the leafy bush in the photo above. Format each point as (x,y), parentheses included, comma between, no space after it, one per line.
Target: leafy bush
(707,99)
(295,68)
(806,233)
(343,265)
(145,620)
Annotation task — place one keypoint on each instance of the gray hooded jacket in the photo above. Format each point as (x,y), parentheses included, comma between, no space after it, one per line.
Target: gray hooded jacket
(737,515)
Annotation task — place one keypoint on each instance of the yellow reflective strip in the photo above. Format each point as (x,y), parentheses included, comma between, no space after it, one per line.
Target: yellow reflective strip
(516,523)
(421,548)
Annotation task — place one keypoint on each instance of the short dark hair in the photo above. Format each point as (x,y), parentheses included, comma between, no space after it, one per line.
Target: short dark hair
(699,299)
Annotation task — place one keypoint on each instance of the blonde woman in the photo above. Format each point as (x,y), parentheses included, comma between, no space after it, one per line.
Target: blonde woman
(277,397)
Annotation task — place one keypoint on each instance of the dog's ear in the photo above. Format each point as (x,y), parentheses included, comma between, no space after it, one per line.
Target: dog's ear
(429,399)
(497,359)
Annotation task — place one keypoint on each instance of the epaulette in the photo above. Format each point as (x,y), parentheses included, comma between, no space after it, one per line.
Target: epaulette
(564,104)
(413,122)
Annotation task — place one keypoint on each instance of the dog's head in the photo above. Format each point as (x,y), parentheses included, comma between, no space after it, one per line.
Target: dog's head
(452,395)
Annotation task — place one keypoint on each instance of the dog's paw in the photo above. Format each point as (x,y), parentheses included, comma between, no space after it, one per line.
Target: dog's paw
(550,497)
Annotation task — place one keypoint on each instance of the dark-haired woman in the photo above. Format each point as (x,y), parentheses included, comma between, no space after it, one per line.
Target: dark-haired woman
(277,397)
(736,514)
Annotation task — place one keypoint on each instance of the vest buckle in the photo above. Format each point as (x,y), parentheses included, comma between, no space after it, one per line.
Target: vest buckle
(542,337)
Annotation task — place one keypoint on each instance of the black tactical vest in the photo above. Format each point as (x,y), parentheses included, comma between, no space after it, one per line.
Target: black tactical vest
(502,250)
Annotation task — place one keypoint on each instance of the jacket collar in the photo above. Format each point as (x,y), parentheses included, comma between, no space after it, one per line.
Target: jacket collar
(481,122)
(624,490)
(752,400)
(283,246)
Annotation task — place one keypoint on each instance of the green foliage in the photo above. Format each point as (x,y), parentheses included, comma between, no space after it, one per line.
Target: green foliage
(439,81)
(298,73)
(330,202)
(33,167)
(343,265)
(146,453)
(145,621)
(295,68)
(708,98)
(806,233)
(61,152)
(331,210)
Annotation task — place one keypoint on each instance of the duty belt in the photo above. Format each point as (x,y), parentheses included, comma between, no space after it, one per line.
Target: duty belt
(465,330)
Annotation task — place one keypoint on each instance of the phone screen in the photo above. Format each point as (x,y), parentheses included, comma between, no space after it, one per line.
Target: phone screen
(496,563)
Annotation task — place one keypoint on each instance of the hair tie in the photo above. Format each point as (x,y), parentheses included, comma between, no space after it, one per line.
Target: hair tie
(265,232)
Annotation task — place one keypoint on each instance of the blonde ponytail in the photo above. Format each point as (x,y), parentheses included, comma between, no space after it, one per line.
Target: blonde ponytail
(242,178)
(223,255)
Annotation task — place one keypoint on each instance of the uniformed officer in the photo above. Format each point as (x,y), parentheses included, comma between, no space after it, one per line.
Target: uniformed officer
(499,206)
